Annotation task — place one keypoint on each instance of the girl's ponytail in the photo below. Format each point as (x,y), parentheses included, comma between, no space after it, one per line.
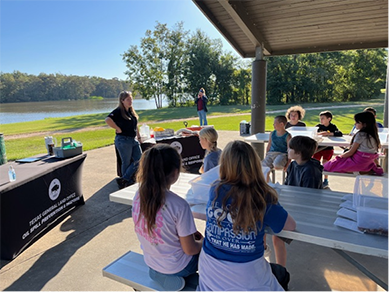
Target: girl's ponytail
(155,169)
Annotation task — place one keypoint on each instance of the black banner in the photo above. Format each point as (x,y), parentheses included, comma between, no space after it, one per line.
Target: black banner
(31,207)
(190,150)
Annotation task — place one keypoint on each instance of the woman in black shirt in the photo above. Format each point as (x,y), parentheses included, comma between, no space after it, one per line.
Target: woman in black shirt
(124,120)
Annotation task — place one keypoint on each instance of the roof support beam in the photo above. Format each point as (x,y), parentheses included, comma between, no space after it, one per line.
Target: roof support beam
(330,48)
(239,15)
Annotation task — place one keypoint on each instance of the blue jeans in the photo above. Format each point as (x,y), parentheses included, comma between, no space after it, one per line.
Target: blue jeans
(130,153)
(190,268)
(203,117)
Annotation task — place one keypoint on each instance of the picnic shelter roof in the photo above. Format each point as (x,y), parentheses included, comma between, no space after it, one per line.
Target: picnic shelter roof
(284,27)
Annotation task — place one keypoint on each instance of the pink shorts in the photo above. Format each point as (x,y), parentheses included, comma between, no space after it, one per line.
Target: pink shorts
(326,154)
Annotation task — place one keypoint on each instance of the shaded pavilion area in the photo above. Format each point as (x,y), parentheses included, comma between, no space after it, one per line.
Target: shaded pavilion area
(258,28)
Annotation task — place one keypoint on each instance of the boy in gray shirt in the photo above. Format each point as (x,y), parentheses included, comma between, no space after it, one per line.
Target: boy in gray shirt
(304,171)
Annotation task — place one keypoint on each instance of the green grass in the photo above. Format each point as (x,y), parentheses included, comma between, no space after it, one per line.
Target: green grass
(96,138)
(26,147)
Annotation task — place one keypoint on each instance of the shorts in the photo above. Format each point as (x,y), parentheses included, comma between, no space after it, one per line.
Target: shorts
(326,154)
(275,160)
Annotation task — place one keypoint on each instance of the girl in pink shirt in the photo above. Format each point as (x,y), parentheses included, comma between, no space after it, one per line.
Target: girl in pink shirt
(163,221)
(363,149)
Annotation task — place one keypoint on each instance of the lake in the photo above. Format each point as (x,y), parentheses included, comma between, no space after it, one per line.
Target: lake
(33,111)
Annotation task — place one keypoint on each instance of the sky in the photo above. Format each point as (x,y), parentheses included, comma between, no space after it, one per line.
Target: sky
(86,37)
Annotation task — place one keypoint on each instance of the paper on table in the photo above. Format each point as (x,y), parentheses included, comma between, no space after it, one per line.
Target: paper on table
(198,211)
(348,205)
(191,198)
(347,213)
(348,224)
(348,197)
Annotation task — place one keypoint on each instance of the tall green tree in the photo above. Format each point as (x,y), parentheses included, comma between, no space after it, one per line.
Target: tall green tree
(224,81)
(242,85)
(281,82)
(147,66)
(176,56)
(202,60)
(361,74)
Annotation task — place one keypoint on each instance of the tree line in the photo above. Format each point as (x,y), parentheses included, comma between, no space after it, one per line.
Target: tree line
(22,87)
(176,63)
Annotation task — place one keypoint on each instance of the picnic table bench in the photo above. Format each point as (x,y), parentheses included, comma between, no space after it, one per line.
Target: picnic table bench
(131,269)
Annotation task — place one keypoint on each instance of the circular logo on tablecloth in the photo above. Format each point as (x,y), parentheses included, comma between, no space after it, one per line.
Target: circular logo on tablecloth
(177,145)
(54,189)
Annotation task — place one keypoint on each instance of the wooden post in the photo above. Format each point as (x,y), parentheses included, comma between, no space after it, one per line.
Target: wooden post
(258,99)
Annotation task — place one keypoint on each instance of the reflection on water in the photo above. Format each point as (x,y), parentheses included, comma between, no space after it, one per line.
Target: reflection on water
(33,111)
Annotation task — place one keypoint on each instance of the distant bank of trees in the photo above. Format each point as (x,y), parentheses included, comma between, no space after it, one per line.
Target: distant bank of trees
(22,87)
(175,63)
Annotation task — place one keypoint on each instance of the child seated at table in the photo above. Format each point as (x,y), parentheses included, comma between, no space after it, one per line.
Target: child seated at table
(328,129)
(240,205)
(208,141)
(374,112)
(277,147)
(303,171)
(363,148)
(163,221)
(295,114)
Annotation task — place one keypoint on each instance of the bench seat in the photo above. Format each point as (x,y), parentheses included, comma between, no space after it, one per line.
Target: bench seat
(347,174)
(131,269)
(350,174)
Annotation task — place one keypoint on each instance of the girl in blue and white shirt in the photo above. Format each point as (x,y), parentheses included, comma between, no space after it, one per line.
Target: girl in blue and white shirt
(240,206)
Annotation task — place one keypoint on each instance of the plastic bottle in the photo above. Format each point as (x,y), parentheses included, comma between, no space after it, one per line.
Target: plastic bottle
(11,174)
(145,131)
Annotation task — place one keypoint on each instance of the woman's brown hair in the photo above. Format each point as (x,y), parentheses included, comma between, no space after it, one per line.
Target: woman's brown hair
(122,96)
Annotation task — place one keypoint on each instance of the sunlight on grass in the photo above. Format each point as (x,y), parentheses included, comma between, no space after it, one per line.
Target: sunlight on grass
(26,147)
(104,136)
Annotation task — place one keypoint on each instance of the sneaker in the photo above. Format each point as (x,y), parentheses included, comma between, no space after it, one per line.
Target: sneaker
(123,183)
(120,182)
(168,282)
(326,184)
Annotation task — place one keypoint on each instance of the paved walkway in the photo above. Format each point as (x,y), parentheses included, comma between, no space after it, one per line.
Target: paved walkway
(72,255)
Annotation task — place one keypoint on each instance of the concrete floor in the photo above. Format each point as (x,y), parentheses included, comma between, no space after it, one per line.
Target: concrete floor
(72,254)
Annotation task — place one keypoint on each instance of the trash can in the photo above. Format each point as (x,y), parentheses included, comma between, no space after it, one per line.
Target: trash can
(244,128)
(3,155)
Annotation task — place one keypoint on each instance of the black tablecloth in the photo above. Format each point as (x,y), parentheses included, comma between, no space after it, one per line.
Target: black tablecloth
(189,148)
(43,192)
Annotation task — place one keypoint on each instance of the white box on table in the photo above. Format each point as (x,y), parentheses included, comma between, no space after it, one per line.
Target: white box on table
(303,131)
(202,184)
(371,201)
